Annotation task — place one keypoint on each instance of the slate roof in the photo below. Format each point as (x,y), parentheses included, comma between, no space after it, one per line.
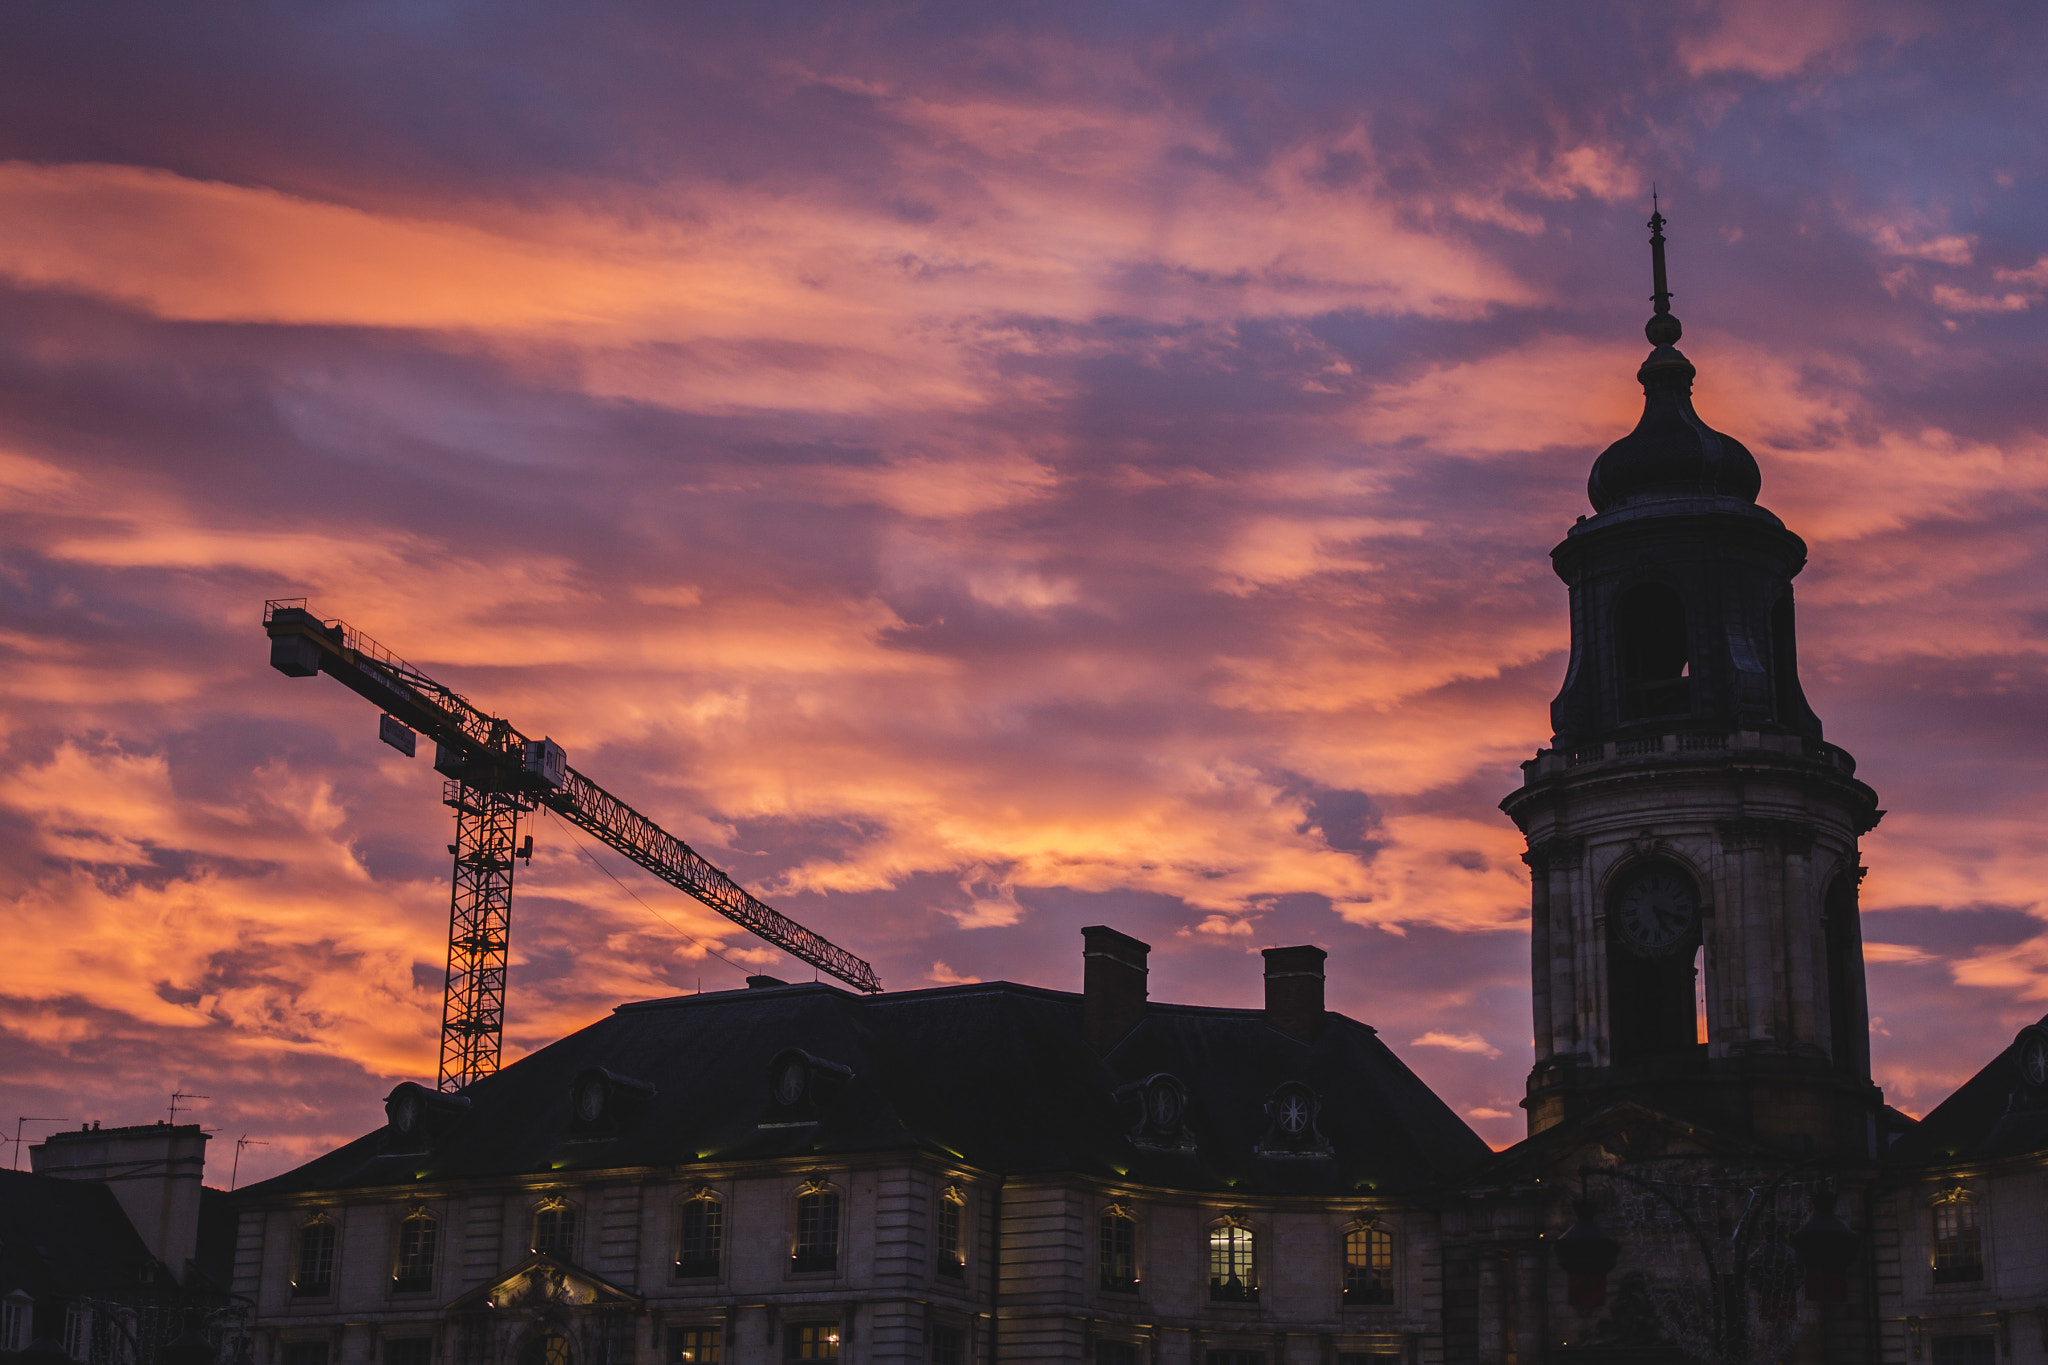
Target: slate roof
(1989,1117)
(996,1075)
(67,1237)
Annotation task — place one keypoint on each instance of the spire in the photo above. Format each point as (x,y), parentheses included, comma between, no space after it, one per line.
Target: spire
(1671,451)
(1662,329)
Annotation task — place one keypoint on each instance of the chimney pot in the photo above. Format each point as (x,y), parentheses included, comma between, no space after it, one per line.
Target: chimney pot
(1113,975)
(1294,990)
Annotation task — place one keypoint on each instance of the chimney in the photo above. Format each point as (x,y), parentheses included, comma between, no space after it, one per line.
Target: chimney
(154,1172)
(1112,985)
(1294,990)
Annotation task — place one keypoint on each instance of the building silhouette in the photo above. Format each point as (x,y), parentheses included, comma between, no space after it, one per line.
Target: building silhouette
(1004,1173)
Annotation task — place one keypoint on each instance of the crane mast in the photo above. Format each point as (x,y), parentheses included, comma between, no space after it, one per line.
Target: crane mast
(497,777)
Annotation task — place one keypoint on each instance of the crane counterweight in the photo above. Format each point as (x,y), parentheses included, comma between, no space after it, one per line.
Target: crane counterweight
(497,776)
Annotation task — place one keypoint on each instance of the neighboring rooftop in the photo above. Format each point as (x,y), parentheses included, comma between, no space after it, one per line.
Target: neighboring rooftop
(1999,1112)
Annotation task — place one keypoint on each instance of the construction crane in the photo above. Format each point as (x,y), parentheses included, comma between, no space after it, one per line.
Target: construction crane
(496,776)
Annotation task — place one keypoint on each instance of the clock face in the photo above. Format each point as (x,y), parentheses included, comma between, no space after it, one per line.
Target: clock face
(405,1115)
(1657,911)
(590,1100)
(1294,1114)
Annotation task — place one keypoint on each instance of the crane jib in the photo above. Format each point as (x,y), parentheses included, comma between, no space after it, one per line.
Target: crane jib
(486,753)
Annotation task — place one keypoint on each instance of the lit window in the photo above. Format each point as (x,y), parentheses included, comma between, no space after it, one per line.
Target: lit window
(313,1268)
(817,1230)
(554,1230)
(1119,1243)
(951,1257)
(1368,1267)
(697,1346)
(417,1235)
(1233,1266)
(551,1348)
(814,1341)
(1958,1245)
(949,1346)
(700,1239)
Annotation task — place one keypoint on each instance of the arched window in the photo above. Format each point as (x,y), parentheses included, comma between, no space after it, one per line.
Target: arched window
(817,1228)
(1958,1245)
(1368,1265)
(700,1236)
(418,1237)
(949,1244)
(554,1229)
(313,1265)
(549,1348)
(1118,1237)
(1656,653)
(1233,1261)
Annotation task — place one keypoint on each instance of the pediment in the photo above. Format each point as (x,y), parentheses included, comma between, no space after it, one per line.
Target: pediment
(541,1281)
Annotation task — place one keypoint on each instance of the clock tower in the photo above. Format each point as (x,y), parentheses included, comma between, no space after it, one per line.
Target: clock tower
(1692,837)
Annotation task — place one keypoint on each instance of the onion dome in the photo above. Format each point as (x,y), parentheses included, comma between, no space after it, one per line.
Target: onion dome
(1671,453)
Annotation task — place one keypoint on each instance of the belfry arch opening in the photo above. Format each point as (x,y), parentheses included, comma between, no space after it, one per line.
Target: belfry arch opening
(1656,653)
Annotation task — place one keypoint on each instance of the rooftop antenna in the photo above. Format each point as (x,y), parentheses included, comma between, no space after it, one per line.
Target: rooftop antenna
(20,1119)
(236,1170)
(177,1095)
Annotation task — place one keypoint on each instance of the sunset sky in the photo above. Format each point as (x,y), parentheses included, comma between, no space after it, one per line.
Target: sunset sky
(974,471)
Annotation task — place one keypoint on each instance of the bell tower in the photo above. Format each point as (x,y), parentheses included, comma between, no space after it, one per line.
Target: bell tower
(1692,837)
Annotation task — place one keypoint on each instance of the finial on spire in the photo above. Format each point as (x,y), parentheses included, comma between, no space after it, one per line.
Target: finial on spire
(1663,328)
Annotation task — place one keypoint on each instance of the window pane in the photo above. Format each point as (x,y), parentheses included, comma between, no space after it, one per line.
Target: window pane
(814,1341)
(415,1272)
(1116,1353)
(949,1346)
(314,1273)
(409,1351)
(697,1346)
(1233,1274)
(1368,1267)
(1119,1242)
(305,1353)
(947,1234)
(554,1231)
(1235,1358)
(1979,1350)
(551,1349)
(701,1239)
(1958,1244)
(817,1230)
